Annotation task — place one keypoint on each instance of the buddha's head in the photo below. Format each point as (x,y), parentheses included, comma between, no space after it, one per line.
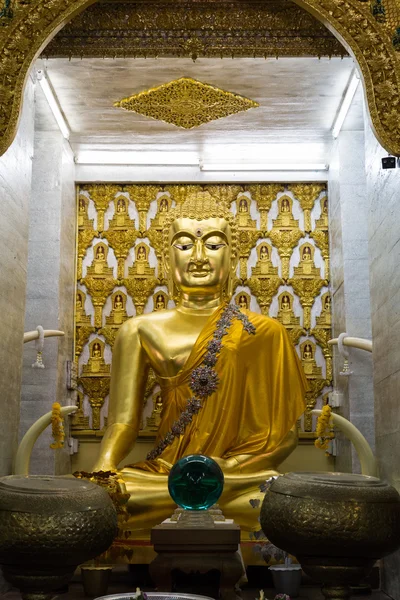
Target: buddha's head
(199,248)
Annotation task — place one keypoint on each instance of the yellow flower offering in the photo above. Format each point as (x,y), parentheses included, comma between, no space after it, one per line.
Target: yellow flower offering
(57,426)
(324,428)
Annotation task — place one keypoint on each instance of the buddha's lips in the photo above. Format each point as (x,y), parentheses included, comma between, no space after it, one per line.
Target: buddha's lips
(199,272)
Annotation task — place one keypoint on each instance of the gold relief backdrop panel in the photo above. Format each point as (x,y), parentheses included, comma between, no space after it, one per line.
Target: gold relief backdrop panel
(283,271)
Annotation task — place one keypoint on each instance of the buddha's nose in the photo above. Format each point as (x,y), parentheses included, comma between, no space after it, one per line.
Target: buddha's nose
(199,252)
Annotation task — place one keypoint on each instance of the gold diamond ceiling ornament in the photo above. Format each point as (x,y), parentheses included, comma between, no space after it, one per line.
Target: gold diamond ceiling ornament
(186,103)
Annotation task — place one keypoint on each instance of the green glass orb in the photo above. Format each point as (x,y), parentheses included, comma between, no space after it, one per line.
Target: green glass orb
(196,482)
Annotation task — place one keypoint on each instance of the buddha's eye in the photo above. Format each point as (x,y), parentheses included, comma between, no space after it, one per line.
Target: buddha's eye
(215,246)
(184,247)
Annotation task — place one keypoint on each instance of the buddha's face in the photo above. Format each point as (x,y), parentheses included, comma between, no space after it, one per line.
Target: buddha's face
(200,255)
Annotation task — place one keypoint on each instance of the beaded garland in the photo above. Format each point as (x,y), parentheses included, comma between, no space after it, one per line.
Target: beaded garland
(204,379)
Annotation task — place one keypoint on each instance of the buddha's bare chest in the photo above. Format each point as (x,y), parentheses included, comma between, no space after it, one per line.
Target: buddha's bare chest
(168,347)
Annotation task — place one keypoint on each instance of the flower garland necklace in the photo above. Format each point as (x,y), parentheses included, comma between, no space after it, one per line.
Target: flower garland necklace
(204,379)
(324,429)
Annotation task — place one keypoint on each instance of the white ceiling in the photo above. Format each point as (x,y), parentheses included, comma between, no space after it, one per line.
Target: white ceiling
(299,99)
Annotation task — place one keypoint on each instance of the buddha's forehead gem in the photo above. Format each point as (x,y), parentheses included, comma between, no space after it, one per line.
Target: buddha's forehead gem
(199,232)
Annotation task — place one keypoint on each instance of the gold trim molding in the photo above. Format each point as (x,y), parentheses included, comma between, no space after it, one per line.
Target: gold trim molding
(186,103)
(194,29)
(35,22)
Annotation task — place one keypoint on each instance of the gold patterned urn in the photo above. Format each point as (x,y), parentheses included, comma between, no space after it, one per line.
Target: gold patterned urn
(336,524)
(48,526)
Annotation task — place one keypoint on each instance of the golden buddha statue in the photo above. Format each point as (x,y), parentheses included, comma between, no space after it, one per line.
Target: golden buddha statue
(231,383)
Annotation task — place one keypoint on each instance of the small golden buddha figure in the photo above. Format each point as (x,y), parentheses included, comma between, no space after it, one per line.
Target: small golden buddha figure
(286,315)
(306,266)
(231,382)
(243,205)
(285,206)
(121,206)
(163,205)
(78,302)
(306,253)
(243,302)
(100,254)
(96,365)
(160,302)
(311,369)
(325,318)
(264,254)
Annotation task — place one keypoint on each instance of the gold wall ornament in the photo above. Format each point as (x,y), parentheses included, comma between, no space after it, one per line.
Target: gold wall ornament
(142,196)
(99,290)
(200,29)
(79,420)
(118,314)
(307,355)
(264,264)
(322,336)
(121,241)
(102,195)
(286,314)
(121,218)
(160,300)
(315,388)
(97,389)
(321,235)
(264,194)
(307,194)
(99,266)
(324,320)
(242,300)
(82,333)
(35,23)
(180,192)
(226,193)
(306,267)
(186,102)
(81,318)
(323,222)
(307,289)
(247,240)
(285,240)
(96,365)
(83,218)
(141,279)
(85,238)
(153,421)
(264,289)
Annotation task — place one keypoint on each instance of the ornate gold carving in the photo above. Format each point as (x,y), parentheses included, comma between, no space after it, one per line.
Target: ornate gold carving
(153,421)
(264,289)
(83,218)
(99,266)
(186,103)
(97,388)
(141,279)
(306,266)
(323,335)
(286,314)
(201,29)
(224,192)
(180,193)
(321,235)
(242,299)
(85,237)
(102,195)
(99,290)
(121,218)
(160,301)
(264,194)
(79,420)
(307,353)
(121,241)
(81,318)
(35,22)
(82,334)
(324,320)
(307,194)
(307,290)
(315,388)
(142,195)
(96,364)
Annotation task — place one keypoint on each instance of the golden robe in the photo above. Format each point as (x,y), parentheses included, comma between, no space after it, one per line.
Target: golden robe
(259,398)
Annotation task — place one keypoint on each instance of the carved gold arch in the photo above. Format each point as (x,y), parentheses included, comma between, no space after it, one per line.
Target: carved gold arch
(33,23)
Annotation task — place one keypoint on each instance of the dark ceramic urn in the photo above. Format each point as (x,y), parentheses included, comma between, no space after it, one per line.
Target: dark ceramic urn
(48,526)
(336,524)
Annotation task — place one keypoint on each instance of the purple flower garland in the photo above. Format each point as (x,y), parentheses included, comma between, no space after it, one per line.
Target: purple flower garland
(204,379)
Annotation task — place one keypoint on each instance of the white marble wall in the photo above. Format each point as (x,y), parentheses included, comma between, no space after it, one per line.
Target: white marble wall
(350,285)
(384,253)
(50,284)
(15,185)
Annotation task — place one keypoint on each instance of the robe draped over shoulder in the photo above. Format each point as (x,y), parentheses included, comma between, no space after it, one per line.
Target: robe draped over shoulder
(260,395)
